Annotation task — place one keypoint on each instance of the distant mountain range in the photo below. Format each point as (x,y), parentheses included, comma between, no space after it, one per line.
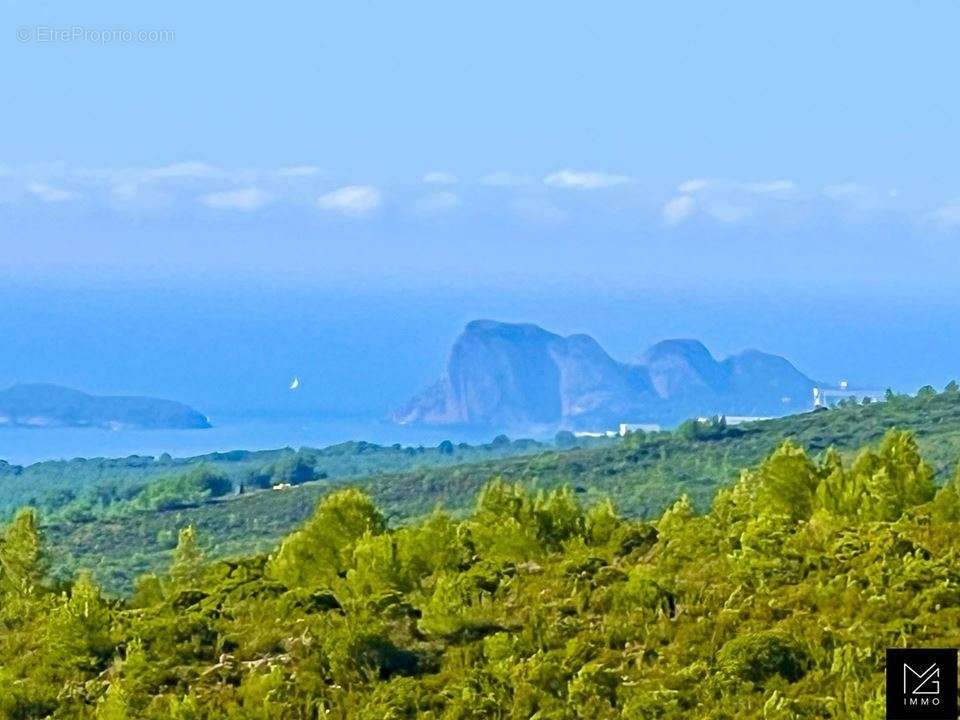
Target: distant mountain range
(42,406)
(505,375)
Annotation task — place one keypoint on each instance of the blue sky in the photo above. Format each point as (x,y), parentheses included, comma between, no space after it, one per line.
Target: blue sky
(784,176)
(816,92)
(641,117)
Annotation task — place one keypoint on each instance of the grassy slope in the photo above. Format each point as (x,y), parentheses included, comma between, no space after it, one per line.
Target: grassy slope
(641,477)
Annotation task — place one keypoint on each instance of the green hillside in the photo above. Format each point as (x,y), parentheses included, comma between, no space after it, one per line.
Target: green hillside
(641,474)
(776,604)
(94,482)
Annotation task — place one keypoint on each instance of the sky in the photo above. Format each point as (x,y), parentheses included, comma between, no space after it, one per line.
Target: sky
(339,187)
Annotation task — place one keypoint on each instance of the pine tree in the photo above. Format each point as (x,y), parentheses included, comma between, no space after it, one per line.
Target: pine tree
(187,566)
(22,560)
(322,549)
(113,705)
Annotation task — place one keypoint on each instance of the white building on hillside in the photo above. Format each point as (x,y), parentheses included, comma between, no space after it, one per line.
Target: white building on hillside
(831,397)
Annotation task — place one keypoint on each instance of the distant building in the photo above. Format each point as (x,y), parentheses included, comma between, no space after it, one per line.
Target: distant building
(831,397)
(732,419)
(595,434)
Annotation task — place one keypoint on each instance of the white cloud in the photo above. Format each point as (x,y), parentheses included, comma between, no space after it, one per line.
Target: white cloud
(437,203)
(351,200)
(692,186)
(728,212)
(771,187)
(184,170)
(438,177)
(857,202)
(678,209)
(583,180)
(50,194)
(765,187)
(126,191)
(136,197)
(298,171)
(244,199)
(946,217)
(732,201)
(845,190)
(164,188)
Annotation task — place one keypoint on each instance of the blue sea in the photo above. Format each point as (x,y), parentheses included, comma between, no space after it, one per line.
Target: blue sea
(21,446)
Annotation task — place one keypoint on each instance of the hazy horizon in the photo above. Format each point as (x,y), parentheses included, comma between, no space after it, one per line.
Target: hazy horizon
(332,192)
(360,352)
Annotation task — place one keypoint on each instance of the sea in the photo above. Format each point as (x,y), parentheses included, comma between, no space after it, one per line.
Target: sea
(24,446)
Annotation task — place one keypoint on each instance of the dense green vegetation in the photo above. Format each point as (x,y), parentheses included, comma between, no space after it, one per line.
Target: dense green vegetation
(642,474)
(98,482)
(197,485)
(777,603)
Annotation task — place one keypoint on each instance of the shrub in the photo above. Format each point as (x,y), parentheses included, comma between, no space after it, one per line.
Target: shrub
(756,657)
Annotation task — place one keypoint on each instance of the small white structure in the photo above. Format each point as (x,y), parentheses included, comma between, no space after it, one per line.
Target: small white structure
(740,419)
(731,420)
(594,433)
(831,397)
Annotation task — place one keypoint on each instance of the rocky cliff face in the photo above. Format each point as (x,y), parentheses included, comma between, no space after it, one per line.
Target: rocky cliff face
(506,375)
(503,375)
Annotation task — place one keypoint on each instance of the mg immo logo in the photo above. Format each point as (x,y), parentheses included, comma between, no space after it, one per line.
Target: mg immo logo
(921,684)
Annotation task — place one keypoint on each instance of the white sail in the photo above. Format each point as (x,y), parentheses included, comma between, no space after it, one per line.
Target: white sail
(295,383)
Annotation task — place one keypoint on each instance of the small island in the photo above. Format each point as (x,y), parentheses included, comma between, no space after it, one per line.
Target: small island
(42,405)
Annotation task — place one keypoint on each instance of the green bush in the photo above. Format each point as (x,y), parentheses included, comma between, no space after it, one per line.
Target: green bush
(756,657)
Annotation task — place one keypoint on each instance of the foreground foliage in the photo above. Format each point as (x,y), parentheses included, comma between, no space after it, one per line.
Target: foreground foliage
(777,603)
(642,473)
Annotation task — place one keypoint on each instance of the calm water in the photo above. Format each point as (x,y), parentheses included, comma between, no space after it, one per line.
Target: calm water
(27,445)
